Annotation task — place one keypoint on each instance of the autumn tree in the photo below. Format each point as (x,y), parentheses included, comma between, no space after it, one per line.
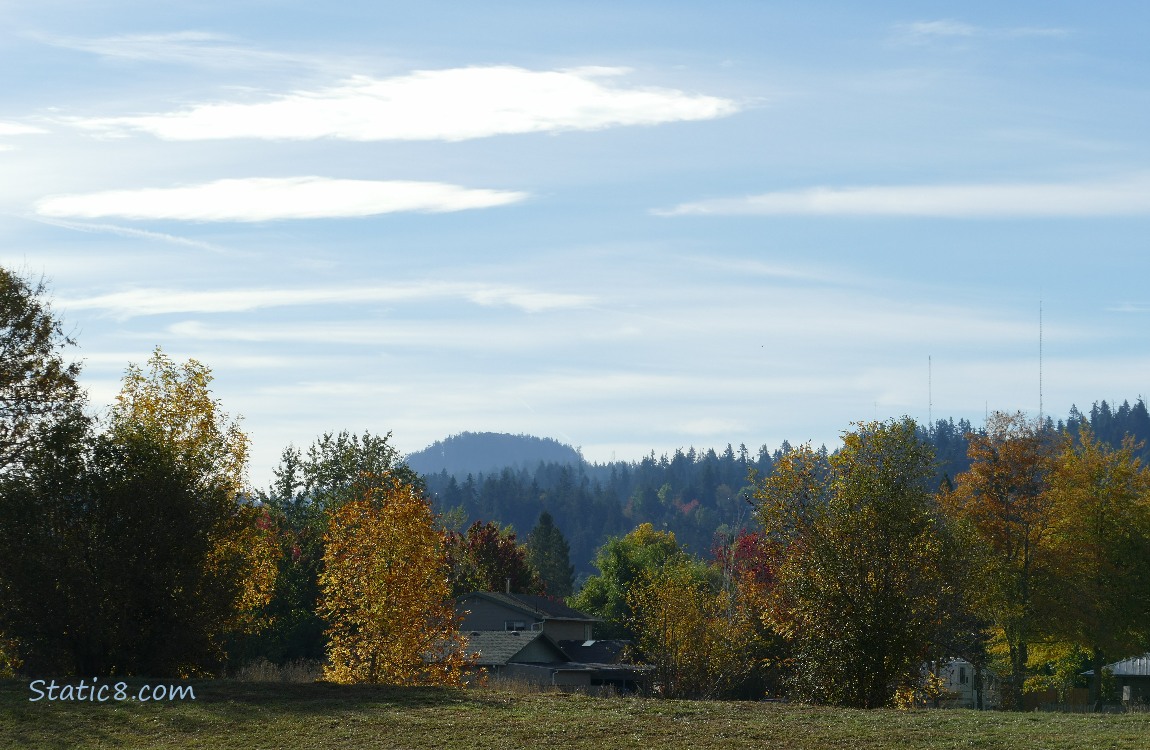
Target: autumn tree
(36,384)
(1004,500)
(154,558)
(549,553)
(694,630)
(385,593)
(1099,542)
(309,483)
(746,563)
(857,571)
(621,562)
(173,404)
(487,558)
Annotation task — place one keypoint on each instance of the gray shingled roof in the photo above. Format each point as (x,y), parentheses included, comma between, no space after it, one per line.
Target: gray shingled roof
(540,607)
(595,652)
(498,647)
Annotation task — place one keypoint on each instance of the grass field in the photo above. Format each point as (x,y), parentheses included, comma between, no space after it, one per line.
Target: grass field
(318,716)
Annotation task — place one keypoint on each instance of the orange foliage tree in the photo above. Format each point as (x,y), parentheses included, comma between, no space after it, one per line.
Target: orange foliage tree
(385,593)
(1003,498)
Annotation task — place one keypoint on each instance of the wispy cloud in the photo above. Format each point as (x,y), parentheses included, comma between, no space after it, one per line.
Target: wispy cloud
(451,105)
(15,128)
(142,234)
(938,28)
(8,129)
(413,335)
(270,199)
(1129,307)
(1126,197)
(711,426)
(202,49)
(138,302)
(922,32)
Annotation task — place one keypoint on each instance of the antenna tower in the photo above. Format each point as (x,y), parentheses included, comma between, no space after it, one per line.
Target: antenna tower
(929,394)
(1040,363)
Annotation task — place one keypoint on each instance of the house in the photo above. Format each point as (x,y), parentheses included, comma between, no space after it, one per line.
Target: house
(598,652)
(544,642)
(963,685)
(488,610)
(1131,678)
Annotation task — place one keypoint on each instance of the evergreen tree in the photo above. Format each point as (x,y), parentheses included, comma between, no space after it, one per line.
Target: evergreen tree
(548,553)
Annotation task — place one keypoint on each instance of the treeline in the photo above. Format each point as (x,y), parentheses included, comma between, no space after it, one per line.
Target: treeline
(1032,565)
(132,544)
(700,496)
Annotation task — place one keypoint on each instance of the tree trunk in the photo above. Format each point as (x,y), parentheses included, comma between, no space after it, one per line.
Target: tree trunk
(1096,678)
(1019,655)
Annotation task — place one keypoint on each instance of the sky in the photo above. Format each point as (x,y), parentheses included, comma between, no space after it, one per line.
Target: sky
(629,226)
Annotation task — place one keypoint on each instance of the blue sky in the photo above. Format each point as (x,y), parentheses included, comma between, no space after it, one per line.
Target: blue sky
(629,226)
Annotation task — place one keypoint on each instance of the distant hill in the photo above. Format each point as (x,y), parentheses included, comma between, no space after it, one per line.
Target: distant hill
(485,452)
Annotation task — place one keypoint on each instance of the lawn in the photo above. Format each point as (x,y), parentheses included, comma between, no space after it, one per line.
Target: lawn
(314,717)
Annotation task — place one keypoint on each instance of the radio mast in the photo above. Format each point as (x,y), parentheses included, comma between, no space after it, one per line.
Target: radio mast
(1040,363)
(929,395)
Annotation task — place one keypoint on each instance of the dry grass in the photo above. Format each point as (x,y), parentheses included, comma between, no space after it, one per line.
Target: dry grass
(232,714)
(262,670)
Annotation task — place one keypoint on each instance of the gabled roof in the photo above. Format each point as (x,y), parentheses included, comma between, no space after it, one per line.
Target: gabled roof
(538,607)
(500,647)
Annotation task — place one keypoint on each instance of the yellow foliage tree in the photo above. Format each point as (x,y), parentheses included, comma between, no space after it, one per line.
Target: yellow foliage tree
(385,593)
(695,633)
(173,403)
(1100,545)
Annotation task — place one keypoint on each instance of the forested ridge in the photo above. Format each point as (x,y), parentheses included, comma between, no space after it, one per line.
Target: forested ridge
(700,495)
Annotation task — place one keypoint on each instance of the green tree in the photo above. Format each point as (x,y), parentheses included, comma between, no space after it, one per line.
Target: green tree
(858,581)
(1100,550)
(621,562)
(549,553)
(36,385)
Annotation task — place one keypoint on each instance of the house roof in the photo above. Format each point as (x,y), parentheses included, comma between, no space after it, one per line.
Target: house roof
(500,647)
(1139,666)
(596,652)
(539,607)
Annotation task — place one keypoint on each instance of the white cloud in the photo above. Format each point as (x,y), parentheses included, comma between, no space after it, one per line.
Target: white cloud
(269,199)
(139,302)
(15,128)
(451,105)
(924,31)
(1115,198)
